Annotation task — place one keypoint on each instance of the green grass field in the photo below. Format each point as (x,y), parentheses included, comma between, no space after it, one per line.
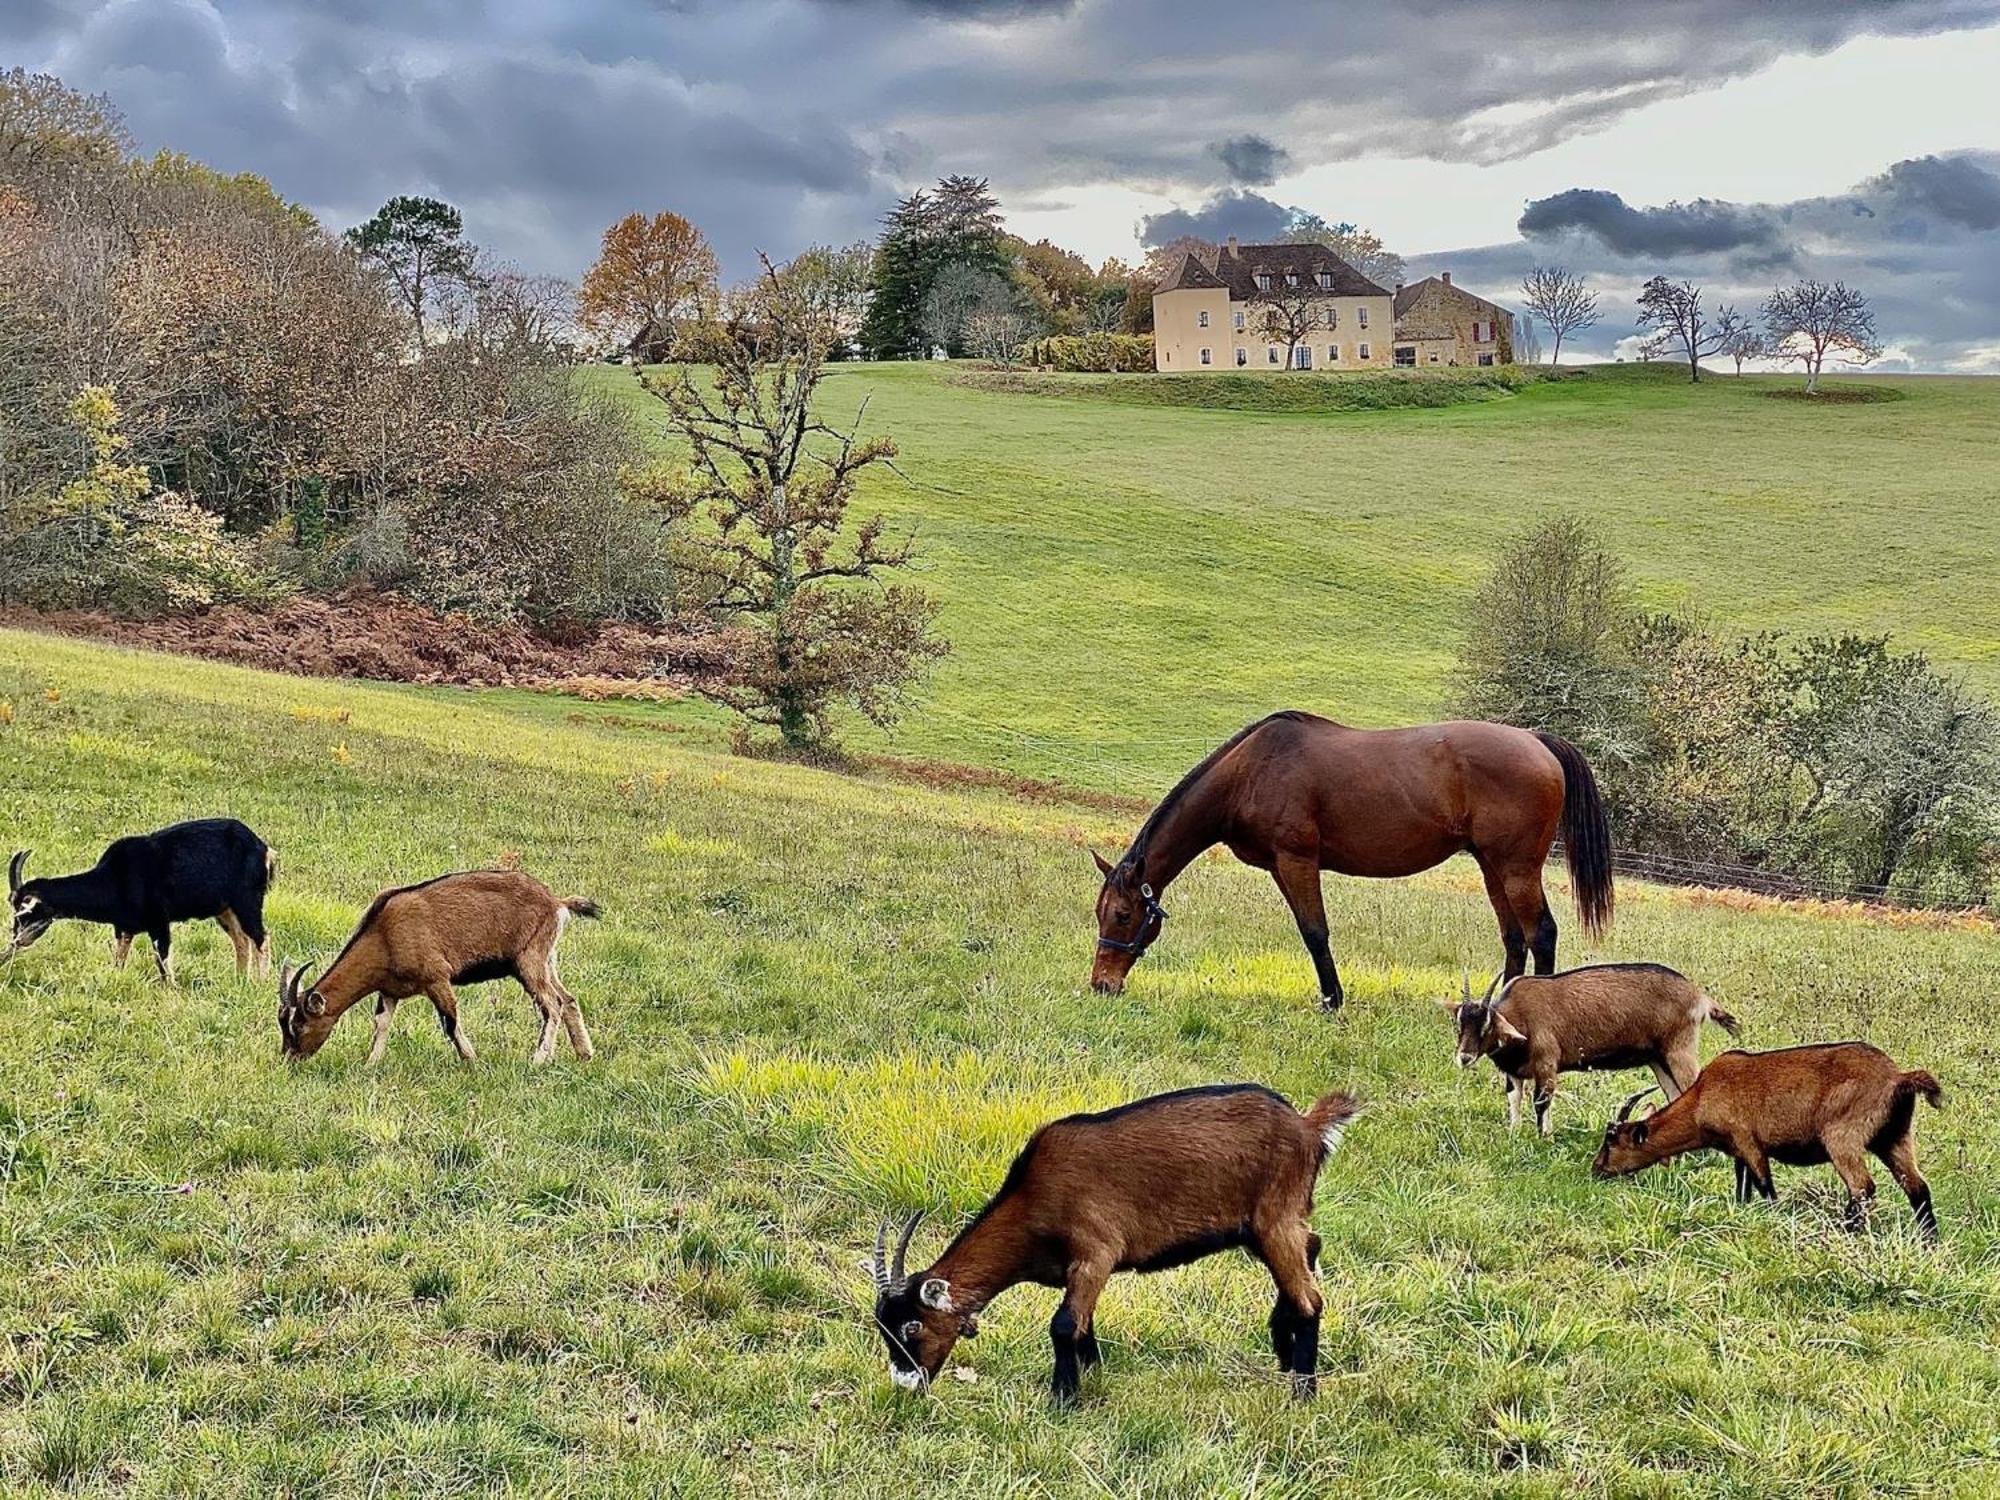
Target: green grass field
(818,1000)
(1125,583)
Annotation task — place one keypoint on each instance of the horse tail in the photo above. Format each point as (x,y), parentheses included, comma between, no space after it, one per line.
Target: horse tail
(1586,834)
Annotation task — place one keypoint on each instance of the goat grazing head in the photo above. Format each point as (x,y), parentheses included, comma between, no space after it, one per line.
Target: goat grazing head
(1481,1027)
(1625,1139)
(303,1024)
(918,1323)
(32,916)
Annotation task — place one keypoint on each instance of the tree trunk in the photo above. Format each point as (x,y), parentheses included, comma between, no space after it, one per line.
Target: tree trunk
(1555,357)
(794,724)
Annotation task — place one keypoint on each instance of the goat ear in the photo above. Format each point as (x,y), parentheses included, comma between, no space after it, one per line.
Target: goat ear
(1639,1133)
(1446,1004)
(935,1294)
(315,1003)
(1508,1031)
(1104,866)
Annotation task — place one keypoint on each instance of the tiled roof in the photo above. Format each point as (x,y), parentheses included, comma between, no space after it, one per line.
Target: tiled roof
(1238,268)
(1190,275)
(1406,296)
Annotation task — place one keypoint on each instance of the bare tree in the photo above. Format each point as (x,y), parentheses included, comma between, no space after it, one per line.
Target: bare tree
(1293,307)
(1559,298)
(1812,319)
(997,332)
(775,479)
(1676,321)
(1746,343)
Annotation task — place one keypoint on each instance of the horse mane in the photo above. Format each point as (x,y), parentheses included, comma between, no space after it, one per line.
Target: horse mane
(1188,782)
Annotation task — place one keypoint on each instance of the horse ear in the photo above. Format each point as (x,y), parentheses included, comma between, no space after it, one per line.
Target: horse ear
(1104,866)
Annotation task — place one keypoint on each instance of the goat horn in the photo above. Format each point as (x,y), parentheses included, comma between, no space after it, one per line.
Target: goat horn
(879,1267)
(14,868)
(1625,1109)
(1465,982)
(1488,996)
(897,1273)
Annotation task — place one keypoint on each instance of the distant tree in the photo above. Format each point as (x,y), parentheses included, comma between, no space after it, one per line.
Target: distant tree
(1527,343)
(47,126)
(1559,298)
(653,276)
(421,244)
(958,224)
(834,280)
(823,627)
(998,331)
(1746,343)
(1291,307)
(1547,643)
(1812,319)
(968,225)
(1106,309)
(1672,312)
(245,191)
(1360,248)
(956,292)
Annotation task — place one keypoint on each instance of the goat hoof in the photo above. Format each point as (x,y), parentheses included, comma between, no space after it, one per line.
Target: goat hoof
(1305,1387)
(1328,1004)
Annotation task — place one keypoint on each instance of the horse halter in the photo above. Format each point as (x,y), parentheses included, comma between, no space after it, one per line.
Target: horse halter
(1156,919)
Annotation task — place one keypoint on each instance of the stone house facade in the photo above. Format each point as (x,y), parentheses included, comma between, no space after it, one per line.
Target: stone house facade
(1210,316)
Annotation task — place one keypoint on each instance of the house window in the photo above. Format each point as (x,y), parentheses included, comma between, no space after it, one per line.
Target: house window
(1208,356)
(1361,316)
(1242,357)
(1201,320)
(1325,279)
(1271,354)
(1406,356)
(1333,317)
(1239,322)
(1333,354)
(1480,331)
(1291,278)
(1362,352)
(1263,281)
(1302,357)
(1486,358)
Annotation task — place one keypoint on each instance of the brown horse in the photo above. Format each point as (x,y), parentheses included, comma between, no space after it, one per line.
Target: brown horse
(1296,794)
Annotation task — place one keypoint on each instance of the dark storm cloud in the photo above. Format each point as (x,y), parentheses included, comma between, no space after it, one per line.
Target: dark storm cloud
(1916,239)
(1251,217)
(1955,189)
(1674,229)
(1253,160)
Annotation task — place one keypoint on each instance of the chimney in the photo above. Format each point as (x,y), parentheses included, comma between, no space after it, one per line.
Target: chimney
(1233,249)
(1445,277)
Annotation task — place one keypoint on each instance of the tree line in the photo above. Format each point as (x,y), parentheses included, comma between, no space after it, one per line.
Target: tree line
(1806,322)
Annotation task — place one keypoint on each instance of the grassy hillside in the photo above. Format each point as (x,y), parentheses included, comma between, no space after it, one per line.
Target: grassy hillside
(1125,583)
(821,1000)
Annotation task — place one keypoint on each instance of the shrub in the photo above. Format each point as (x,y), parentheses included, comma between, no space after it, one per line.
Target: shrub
(1093,353)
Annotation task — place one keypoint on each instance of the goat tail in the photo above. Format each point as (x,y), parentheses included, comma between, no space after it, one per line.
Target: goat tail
(583,906)
(1917,1081)
(1331,1116)
(1723,1018)
(1586,835)
(270,867)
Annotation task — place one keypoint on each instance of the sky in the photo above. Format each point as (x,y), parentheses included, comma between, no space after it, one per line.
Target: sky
(1737,145)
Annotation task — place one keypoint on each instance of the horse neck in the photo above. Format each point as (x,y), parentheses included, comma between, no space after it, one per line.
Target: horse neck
(1168,846)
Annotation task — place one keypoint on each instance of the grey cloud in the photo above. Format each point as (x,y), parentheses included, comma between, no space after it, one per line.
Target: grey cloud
(1252,160)
(1249,216)
(1955,189)
(1673,229)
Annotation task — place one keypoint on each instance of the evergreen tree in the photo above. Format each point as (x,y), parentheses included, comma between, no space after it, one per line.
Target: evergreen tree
(958,225)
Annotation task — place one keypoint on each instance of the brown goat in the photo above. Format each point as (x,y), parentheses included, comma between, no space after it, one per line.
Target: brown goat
(1593,1019)
(422,940)
(1154,1184)
(1829,1102)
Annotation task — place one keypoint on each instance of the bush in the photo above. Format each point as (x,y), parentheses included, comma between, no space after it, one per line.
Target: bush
(1093,353)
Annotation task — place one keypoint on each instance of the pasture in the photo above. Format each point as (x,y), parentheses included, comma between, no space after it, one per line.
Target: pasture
(1126,583)
(820,999)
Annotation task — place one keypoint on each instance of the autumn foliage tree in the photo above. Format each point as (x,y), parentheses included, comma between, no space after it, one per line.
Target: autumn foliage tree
(653,276)
(774,480)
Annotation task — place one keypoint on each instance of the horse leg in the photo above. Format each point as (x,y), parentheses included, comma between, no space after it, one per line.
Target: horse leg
(1531,911)
(1298,878)
(1512,938)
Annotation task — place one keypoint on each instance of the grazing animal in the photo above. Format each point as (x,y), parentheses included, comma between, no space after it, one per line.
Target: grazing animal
(1829,1102)
(1599,1017)
(1296,794)
(212,868)
(422,940)
(1153,1184)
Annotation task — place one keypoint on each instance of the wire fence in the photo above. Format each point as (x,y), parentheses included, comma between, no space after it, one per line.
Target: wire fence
(1667,869)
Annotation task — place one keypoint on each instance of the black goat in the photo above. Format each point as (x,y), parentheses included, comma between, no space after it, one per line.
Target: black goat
(212,868)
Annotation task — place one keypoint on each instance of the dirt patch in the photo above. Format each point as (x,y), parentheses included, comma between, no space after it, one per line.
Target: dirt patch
(387,639)
(1838,395)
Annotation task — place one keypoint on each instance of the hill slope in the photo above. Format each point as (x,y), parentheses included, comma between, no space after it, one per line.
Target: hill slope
(1125,584)
(821,1000)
